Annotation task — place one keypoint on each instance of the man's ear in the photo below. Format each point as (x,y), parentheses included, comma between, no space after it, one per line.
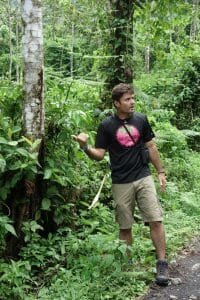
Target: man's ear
(116,103)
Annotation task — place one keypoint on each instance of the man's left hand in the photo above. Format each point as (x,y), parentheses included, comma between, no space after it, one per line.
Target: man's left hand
(163,181)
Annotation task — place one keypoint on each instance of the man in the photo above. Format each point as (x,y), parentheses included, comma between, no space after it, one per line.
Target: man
(125,136)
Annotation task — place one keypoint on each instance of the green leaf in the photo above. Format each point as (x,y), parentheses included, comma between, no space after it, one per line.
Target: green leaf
(15,166)
(34,226)
(33,156)
(46,203)
(38,215)
(16,129)
(2,164)
(24,166)
(22,151)
(36,143)
(13,143)
(15,179)
(3,141)
(9,133)
(10,229)
(48,173)
(34,169)
(27,141)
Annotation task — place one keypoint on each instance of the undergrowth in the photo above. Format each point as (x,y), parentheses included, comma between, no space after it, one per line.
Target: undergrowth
(92,264)
(83,258)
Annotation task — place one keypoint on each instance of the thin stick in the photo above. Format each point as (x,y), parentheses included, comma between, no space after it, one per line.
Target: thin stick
(96,198)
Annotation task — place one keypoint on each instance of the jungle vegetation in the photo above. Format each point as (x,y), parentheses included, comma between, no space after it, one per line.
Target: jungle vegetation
(52,246)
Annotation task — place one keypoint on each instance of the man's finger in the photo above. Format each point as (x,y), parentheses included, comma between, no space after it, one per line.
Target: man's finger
(74,136)
(162,186)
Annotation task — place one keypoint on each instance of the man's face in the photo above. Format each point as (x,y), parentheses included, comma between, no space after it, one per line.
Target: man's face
(125,105)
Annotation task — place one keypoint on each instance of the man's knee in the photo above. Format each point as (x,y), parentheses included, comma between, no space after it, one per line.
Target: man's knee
(155,224)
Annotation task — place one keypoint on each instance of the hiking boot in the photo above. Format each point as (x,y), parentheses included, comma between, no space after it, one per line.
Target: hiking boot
(162,272)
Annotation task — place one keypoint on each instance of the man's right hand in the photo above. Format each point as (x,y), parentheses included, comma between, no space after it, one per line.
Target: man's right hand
(81,138)
(93,153)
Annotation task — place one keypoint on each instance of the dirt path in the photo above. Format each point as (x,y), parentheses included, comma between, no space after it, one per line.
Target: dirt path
(184,277)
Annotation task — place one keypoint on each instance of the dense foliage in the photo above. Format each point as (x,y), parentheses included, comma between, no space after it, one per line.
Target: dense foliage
(69,251)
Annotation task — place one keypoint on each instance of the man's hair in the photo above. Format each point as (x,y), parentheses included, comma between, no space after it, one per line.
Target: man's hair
(120,89)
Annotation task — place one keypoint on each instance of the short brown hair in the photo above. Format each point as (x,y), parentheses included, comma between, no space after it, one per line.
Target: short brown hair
(120,89)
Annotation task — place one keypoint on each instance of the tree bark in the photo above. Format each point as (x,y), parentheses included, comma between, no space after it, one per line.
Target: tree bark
(122,40)
(28,195)
(32,48)
(18,44)
(10,41)
(119,67)
(195,21)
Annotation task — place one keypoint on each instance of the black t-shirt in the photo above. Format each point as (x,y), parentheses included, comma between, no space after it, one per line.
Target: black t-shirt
(125,153)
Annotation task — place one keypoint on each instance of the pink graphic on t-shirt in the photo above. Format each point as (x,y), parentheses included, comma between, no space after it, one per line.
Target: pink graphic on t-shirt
(123,137)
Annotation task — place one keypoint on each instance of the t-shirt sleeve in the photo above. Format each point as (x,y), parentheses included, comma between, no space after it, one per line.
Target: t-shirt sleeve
(148,133)
(102,139)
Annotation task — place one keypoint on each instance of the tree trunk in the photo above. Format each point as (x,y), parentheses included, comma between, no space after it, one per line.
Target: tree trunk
(17,32)
(33,113)
(122,41)
(27,198)
(17,52)
(32,47)
(120,45)
(10,41)
(195,21)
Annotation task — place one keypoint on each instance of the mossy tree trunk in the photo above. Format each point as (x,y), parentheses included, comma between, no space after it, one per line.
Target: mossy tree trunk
(119,67)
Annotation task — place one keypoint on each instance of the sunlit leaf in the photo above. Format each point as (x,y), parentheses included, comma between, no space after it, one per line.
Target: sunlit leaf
(27,141)
(10,229)
(47,173)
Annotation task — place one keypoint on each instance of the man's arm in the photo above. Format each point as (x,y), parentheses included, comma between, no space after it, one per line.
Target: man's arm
(155,159)
(93,153)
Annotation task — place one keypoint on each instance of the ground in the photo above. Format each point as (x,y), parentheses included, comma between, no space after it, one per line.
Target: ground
(184,277)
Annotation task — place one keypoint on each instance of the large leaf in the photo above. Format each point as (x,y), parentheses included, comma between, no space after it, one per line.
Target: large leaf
(22,151)
(10,229)
(2,165)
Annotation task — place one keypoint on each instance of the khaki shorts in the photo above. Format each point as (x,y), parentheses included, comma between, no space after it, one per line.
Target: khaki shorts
(141,192)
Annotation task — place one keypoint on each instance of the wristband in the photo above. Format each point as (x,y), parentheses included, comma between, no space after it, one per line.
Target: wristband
(161,172)
(85,148)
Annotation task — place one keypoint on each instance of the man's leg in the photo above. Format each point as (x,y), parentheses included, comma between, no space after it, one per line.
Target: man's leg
(124,207)
(150,208)
(158,237)
(126,235)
